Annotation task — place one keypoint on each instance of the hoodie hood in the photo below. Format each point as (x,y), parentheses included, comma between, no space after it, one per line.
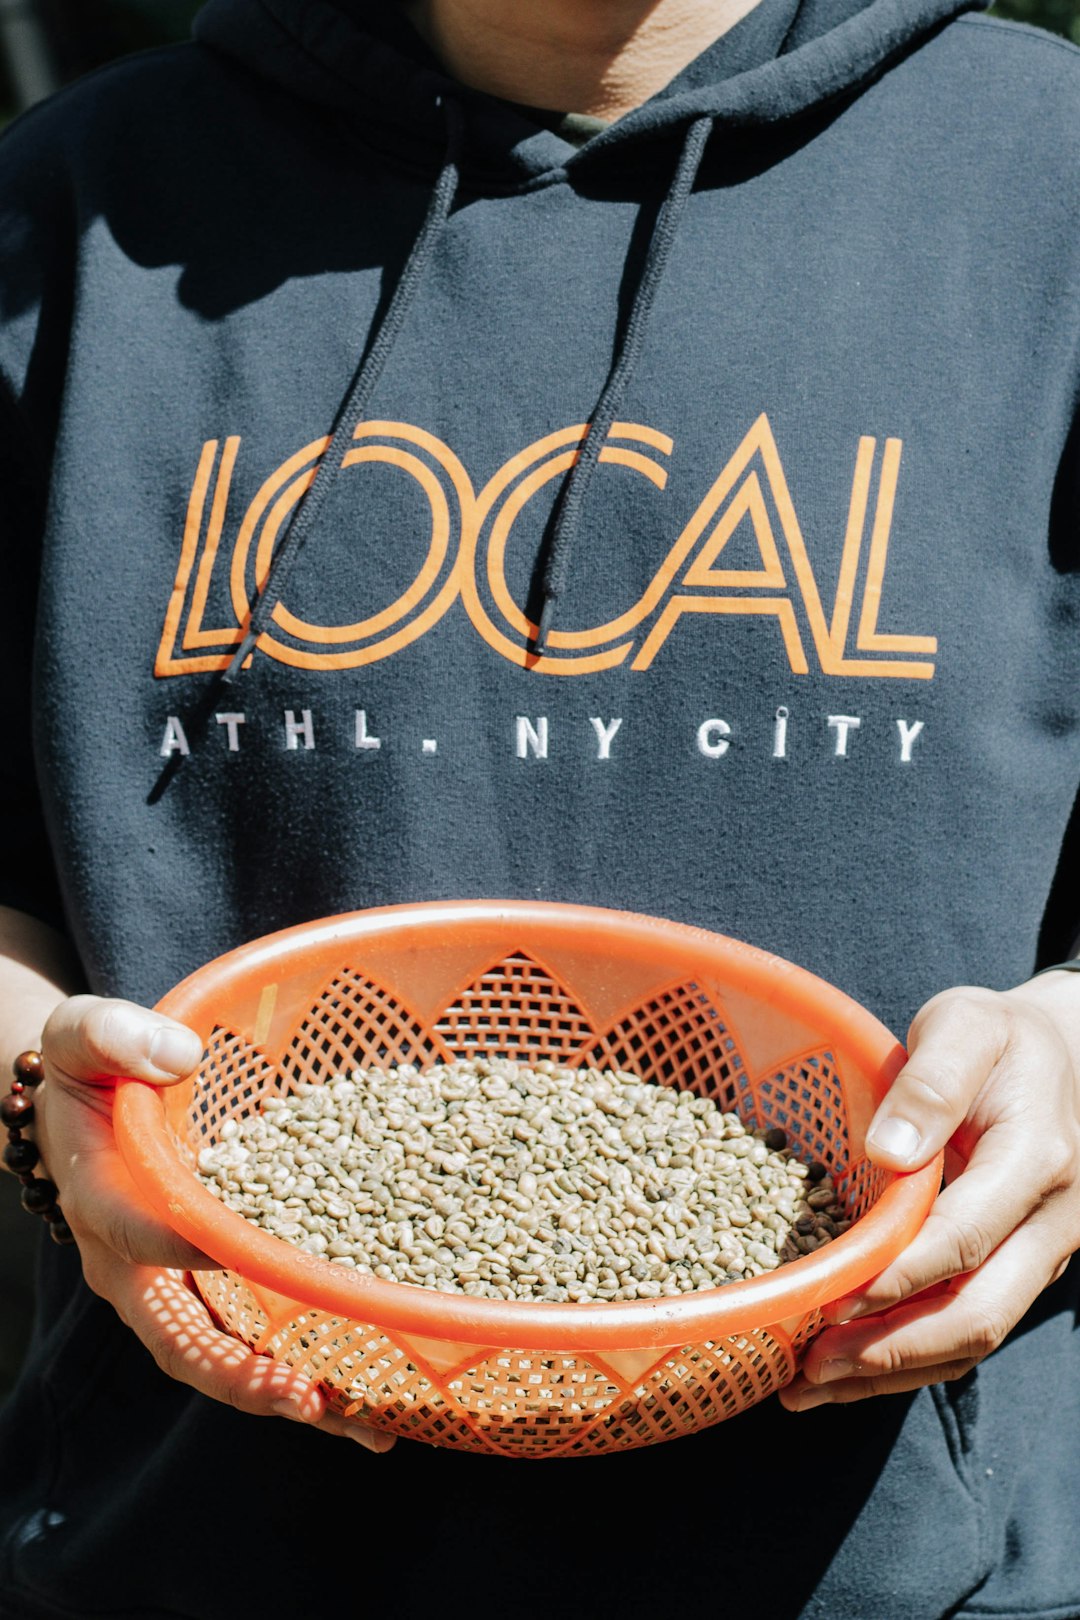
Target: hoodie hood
(782,59)
(363,58)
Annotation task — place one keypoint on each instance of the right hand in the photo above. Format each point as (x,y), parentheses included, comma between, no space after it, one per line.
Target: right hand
(129,1256)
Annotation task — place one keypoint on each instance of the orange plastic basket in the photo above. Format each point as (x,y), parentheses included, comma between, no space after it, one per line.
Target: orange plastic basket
(419,984)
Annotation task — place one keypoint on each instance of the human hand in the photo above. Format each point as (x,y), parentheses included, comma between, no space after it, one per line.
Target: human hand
(129,1256)
(993,1078)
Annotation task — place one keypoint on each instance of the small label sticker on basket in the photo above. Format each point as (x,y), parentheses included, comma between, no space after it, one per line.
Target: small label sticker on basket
(267,1003)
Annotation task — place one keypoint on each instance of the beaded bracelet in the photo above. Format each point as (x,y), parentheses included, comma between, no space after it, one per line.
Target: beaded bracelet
(39,1197)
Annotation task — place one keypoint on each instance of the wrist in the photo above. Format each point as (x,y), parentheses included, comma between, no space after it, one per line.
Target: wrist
(21,1156)
(1055,992)
(21,1027)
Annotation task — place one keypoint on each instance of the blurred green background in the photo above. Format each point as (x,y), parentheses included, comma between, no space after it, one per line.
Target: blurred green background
(1060,16)
(72,36)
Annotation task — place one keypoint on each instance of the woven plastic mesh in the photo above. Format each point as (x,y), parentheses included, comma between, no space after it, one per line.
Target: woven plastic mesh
(677,1038)
(531,1402)
(694,1388)
(515,1009)
(524,1403)
(861,1186)
(233,1081)
(358,1361)
(355,1023)
(234,1304)
(528,1403)
(806,1098)
(807,1328)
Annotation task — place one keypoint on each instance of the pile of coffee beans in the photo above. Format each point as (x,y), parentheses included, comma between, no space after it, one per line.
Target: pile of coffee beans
(523,1181)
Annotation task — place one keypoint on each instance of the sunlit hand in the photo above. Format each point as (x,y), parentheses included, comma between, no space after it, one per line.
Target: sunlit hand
(993,1078)
(129,1257)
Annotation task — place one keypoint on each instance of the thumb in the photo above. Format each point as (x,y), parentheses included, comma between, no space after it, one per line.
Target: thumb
(955,1043)
(91,1039)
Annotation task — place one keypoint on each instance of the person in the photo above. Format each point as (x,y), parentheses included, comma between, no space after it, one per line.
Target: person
(619,452)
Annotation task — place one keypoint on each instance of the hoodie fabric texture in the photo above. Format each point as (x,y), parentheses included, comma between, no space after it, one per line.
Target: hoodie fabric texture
(809,674)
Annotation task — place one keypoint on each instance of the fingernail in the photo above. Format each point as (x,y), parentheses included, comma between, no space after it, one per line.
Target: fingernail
(174,1050)
(372,1440)
(843,1310)
(807,1398)
(896,1137)
(835,1367)
(288,1409)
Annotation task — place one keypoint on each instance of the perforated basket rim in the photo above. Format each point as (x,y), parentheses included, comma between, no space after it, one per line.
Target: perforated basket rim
(790,1291)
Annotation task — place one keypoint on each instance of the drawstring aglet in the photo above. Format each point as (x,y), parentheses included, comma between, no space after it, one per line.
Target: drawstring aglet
(547,613)
(238,659)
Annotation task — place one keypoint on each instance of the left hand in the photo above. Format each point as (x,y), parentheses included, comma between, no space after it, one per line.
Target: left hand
(130,1256)
(994,1078)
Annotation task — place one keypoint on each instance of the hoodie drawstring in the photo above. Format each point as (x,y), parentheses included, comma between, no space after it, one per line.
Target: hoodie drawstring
(351,411)
(556,561)
(354,406)
(555,558)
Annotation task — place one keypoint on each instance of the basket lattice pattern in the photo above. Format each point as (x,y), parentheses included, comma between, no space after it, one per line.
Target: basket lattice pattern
(355,1022)
(494,1399)
(516,1009)
(677,1038)
(233,1082)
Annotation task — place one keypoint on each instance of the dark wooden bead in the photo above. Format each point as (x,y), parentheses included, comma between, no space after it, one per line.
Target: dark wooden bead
(21,1157)
(38,1197)
(16,1109)
(61,1232)
(29,1068)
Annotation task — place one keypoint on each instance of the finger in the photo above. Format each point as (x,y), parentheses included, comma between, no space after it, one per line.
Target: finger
(801,1396)
(88,1039)
(967,1223)
(165,1313)
(96,1191)
(960,1325)
(955,1043)
(180,1333)
(375,1440)
(1015,1168)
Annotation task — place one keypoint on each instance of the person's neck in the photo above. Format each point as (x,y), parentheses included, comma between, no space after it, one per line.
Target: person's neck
(600,57)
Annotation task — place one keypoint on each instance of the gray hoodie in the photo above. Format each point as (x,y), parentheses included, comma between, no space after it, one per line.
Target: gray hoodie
(402,503)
